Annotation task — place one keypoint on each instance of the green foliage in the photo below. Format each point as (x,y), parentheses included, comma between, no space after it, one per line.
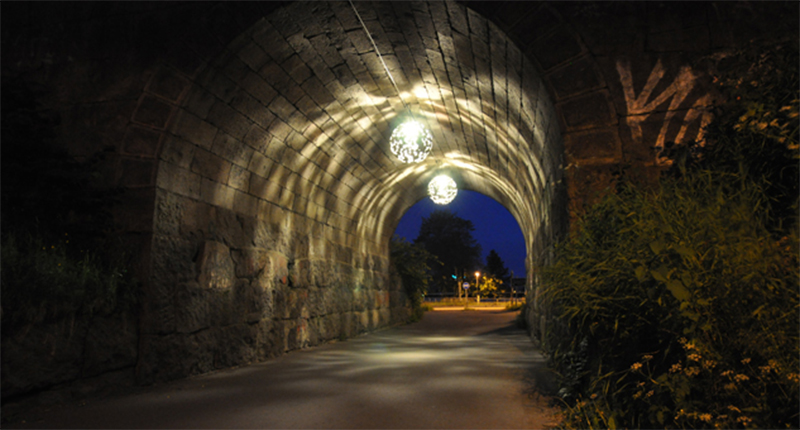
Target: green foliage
(489,286)
(649,273)
(677,307)
(496,267)
(755,132)
(58,260)
(411,262)
(40,283)
(448,237)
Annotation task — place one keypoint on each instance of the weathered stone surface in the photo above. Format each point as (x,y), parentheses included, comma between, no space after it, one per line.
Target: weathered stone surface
(71,357)
(111,344)
(589,111)
(593,144)
(192,308)
(46,355)
(215,268)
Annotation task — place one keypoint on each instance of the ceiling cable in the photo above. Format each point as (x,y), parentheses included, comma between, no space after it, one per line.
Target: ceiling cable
(374,45)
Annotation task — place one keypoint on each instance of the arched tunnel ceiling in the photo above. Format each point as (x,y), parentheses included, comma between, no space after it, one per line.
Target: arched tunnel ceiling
(303,110)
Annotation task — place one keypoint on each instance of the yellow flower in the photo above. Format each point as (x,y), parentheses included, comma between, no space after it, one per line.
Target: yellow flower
(675,368)
(741,378)
(705,417)
(746,361)
(647,357)
(694,357)
(636,366)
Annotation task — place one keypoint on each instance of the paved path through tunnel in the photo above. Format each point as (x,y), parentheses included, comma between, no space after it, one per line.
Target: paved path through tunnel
(454,369)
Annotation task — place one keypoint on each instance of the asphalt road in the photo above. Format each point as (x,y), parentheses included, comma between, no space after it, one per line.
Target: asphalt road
(454,369)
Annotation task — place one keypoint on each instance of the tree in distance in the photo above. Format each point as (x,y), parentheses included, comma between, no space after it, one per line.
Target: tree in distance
(496,268)
(489,286)
(449,238)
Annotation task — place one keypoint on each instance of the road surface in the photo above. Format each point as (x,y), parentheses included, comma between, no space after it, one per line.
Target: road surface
(454,369)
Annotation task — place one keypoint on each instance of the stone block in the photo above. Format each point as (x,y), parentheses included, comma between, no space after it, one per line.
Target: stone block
(593,110)
(176,179)
(593,144)
(238,344)
(137,172)
(153,111)
(239,178)
(141,141)
(282,108)
(46,355)
(177,151)
(578,76)
(257,87)
(195,130)
(211,166)
(229,120)
(215,268)
(555,48)
(196,218)
(192,308)
(250,262)
(167,84)
(695,39)
(253,109)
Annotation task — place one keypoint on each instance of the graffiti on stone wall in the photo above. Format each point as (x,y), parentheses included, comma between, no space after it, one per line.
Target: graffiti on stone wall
(646,103)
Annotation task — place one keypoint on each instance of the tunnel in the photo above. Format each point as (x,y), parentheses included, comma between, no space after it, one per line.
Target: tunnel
(276,190)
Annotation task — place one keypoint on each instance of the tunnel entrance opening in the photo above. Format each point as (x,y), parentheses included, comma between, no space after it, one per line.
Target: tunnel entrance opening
(495,229)
(277,194)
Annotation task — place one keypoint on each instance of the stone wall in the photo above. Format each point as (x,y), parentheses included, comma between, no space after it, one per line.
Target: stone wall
(67,358)
(230,289)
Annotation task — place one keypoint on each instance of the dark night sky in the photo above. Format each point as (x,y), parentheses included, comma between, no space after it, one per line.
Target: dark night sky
(495,228)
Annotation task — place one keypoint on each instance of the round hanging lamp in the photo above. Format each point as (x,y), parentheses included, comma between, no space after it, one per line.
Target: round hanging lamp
(442,189)
(411,142)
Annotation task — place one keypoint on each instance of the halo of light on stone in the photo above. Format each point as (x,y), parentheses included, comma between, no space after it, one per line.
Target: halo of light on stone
(411,142)
(442,189)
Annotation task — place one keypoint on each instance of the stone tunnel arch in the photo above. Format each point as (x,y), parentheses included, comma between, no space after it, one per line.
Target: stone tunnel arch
(276,188)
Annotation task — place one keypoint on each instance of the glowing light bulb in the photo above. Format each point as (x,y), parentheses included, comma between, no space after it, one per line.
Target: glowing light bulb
(442,189)
(411,142)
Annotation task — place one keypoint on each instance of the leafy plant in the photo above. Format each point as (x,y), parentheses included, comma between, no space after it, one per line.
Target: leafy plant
(58,256)
(489,286)
(411,263)
(676,307)
(651,272)
(41,282)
